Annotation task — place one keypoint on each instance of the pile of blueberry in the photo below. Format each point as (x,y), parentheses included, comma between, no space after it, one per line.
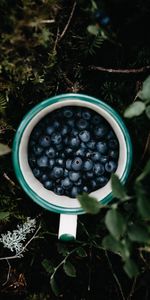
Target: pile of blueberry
(73,150)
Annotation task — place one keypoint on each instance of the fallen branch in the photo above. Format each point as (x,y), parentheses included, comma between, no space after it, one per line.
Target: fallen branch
(120,71)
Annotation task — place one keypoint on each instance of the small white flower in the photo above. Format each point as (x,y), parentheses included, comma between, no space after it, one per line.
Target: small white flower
(14,240)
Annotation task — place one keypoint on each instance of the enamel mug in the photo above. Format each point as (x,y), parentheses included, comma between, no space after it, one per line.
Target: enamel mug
(68,208)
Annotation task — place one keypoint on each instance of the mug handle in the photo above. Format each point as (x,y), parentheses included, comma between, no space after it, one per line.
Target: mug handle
(67,227)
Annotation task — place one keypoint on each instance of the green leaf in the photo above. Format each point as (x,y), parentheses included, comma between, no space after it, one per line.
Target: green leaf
(89,204)
(143,205)
(54,286)
(134,110)
(115,223)
(131,268)
(138,233)
(81,252)
(144,94)
(148,111)
(92,29)
(4,215)
(145,172)
(4,149)
(47,265)
(112,244)
(62,249)
(118,189)
(69,269)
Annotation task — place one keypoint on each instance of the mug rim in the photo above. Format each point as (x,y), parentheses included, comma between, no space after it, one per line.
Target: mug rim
(26,120)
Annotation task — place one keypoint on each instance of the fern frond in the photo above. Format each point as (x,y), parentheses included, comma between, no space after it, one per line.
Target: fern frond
(97,42)
(3,104)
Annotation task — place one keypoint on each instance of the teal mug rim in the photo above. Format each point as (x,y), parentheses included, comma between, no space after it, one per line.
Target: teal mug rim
(25,121)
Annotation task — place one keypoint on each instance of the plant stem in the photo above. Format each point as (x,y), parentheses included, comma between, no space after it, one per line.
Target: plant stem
(119,71)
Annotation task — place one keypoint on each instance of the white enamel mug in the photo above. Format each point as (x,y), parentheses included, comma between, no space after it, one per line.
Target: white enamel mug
(68,208)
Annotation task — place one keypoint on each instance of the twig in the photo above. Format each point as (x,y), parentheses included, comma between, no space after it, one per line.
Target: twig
(69,20)
(8,179)
(56,40)
(132,289)
(120,71)
(8,274)
(18,255)
(115,276)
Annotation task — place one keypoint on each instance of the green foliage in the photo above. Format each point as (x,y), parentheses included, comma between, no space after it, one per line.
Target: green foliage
(135,109)
(3,104)
(4,149)
(89,204)
(69,269)
(131,268)
(4,216)
(115,223)
(118,189)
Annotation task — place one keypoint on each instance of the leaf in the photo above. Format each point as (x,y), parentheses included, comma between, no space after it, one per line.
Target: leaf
(4,215)
(115,223)
(143,205)
(92,29)
(62,249)
(118,189)
(81,252)
(134,110)
(145,172)
(47,265)
(89,204)
(4,149)
(147,111)
(138,233)
(54,286)
(112,244)
(144,94)
(69,269)
(131,268)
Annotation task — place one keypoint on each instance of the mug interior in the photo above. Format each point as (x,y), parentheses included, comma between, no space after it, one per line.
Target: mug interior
(35,189)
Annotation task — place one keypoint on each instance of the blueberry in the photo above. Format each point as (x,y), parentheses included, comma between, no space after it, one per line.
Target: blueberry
(74,176)
(36,132)
(86,115)
(71,123)
(32,160)
(77,164)
(110,135)
(62,155)
(113,144)
(82,124)
(100,131)
(89,174)
(102,180)
(89,153)
(68,113)
(74,142)
(44,178)
(102,147)
(51,163)
(91,145)
(37,150)
(56,138)
(105,21)
(78,183)
(74,191)
(59,190)
(87,165)
(68,151)
(42,161)
(66,183)
(103,159)
(113,154)
(80,152)
(50,129)
(74,132)
(95,156)
(93,184)
(59,147)
(32,143)
(111,166)
(44,141)
(79,113)
(84,136)
(48,184)
(66,173)
(50,152)
(66,140)
(98,169)
(36,172)
(57,172)
(60,162)
(64,130)
(68,164)
(85,189)
(96,119)
(56,124)
(83,145)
